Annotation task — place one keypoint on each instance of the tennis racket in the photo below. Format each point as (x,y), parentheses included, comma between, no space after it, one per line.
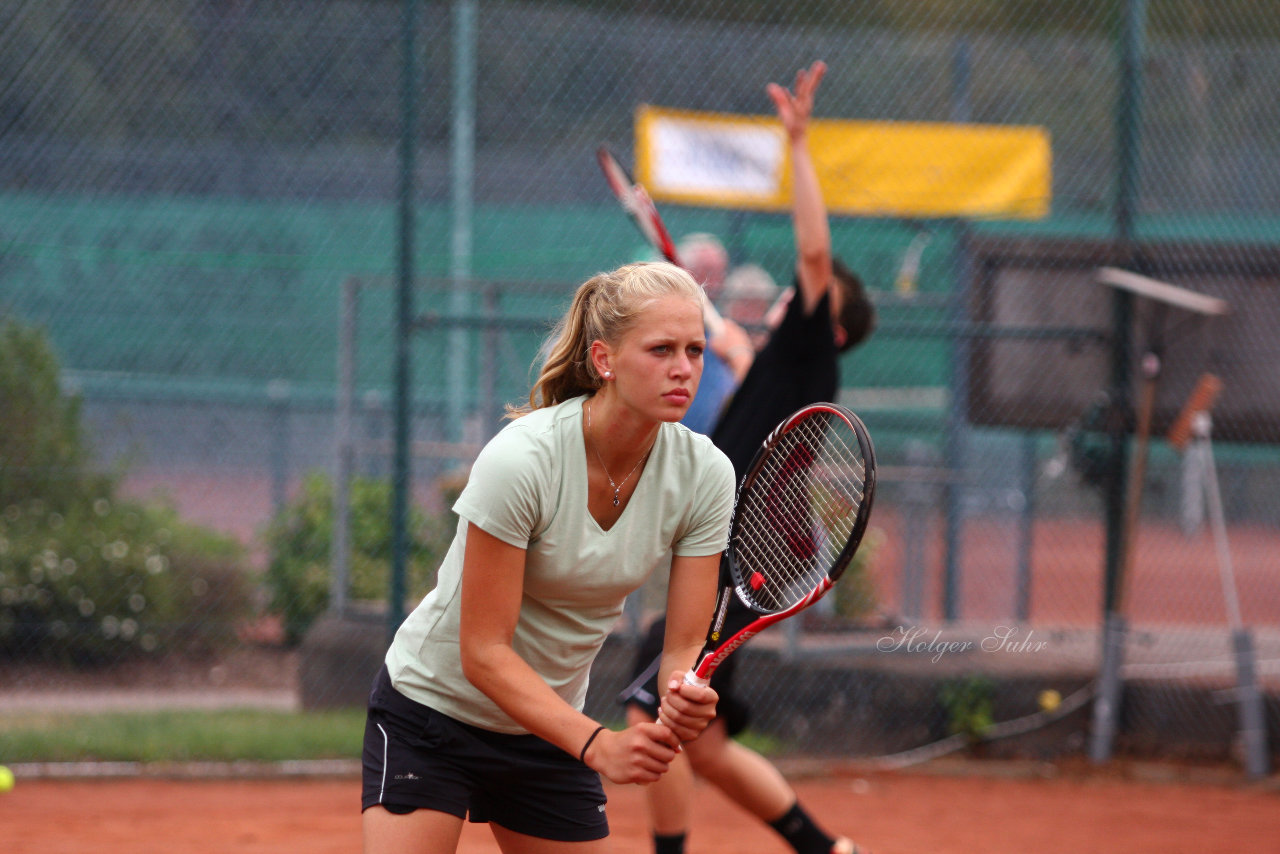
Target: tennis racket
(800,515)
(635,200)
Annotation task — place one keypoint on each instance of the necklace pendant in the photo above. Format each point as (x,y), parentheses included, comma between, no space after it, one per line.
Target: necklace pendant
(615,499)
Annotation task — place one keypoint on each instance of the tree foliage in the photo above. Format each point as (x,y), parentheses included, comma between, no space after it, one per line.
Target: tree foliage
(299,542)
(86,576)
(41,449)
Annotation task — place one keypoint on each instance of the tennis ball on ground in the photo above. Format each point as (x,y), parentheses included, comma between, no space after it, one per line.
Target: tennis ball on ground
(1050,700)
(6,778)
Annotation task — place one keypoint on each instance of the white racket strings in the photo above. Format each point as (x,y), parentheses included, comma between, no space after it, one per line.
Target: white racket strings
(800,513)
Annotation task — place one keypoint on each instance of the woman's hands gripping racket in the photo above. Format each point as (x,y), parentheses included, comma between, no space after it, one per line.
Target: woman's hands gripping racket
(800,515)
(635,200)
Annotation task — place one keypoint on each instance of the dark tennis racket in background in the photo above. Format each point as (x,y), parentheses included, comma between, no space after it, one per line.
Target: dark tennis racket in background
(801,512)
(635,200)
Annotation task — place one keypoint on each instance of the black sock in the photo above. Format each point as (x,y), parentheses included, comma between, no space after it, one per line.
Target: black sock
(673,844)
(801,833)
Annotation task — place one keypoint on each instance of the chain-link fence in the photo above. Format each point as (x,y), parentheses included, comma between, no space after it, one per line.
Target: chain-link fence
(200,206)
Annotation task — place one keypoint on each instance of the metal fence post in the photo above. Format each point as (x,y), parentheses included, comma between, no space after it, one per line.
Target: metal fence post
(344,451)
(1107,706)
(403,322)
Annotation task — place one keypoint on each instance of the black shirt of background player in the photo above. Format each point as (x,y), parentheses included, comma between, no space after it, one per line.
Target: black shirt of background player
(799,365)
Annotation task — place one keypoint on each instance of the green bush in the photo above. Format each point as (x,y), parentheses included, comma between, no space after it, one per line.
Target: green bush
(86,577)
(41,450)
(855,593)
(299,539)
(969,705)
(101,580)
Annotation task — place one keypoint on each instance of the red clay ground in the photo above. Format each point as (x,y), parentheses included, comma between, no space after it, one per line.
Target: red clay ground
(900,813)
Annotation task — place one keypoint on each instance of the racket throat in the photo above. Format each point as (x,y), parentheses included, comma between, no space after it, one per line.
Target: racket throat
(713,658)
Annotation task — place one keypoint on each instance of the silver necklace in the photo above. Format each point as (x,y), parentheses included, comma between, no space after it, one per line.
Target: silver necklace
(617,487)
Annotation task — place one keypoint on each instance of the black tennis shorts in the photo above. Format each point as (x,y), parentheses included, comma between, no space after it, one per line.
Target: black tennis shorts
(643,690)
(417,758)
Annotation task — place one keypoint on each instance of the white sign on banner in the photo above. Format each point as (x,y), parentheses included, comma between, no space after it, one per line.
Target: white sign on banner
(716,159)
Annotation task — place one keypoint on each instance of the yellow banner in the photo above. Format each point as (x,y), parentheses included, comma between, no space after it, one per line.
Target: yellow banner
(883,169)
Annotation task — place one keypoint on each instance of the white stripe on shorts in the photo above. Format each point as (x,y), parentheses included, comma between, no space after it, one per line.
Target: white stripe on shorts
(383,789)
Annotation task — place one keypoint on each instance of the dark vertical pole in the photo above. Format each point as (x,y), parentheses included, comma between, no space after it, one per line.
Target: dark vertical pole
(403,321)
(1026,529)
(1129,109)
(345,450)
(954,438)
(1106,708)
(458,389)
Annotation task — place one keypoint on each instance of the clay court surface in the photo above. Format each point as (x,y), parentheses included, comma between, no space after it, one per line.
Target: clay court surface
(951,808)
(960,809)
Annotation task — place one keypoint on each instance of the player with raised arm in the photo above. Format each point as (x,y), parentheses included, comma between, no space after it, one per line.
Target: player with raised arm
(828,313)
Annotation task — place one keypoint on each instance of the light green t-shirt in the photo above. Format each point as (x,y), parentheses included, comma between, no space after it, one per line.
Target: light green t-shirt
(528,488)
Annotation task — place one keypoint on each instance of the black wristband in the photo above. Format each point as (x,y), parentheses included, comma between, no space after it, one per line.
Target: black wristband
(582,754)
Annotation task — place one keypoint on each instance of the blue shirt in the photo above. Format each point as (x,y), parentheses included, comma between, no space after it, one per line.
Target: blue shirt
(716,386)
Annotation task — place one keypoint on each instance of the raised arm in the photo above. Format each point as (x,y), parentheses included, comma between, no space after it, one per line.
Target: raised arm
(808,211)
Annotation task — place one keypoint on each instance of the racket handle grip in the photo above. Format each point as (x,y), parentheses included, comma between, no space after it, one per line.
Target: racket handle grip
(692,678)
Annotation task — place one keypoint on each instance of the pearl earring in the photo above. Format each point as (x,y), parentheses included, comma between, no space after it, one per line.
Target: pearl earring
(608,375)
